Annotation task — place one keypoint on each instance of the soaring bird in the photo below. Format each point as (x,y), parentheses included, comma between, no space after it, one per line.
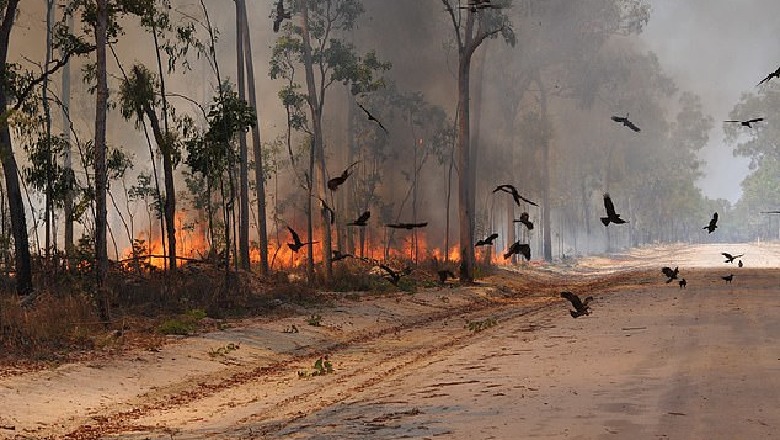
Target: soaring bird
(682,283)
(337,255)
(444,274)
(510,189)
(580,307)
(775,74)
(392,275)
(328,209)
(372,118)
(280,15)
(612,216)
(713,224)
(672,274)
(524,220)
(770,212)
(518,248)
(487,241)
(336,182)
(748,122)
(296,245)
(362,220)
(730,258)
(626,123)
(728,278)
(407,225)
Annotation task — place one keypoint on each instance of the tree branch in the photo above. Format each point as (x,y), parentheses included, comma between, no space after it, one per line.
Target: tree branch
(455,24)
(58,64)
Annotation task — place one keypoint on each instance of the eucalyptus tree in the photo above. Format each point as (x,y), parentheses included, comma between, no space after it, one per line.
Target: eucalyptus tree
(316,45)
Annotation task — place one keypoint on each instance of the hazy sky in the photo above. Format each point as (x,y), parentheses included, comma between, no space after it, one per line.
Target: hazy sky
(717,49)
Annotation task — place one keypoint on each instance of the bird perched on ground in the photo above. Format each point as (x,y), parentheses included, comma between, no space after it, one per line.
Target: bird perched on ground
(328,209)
(362,220)
(775,74)
(518,248)
(672,274)
(728,278)
(713,224)
(296,245)
(444,274)
(730,258)
(524,220)
(336,182)
(740,263)
(407,225)
(280,15)
(682,283)
(487,241)
(748,122)
(626,123)
(510,189)
(394,276)
(612,216)
(337,255)
(580,307)
(372,118)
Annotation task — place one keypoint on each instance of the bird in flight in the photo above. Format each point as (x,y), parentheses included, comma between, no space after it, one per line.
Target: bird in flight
(337,255)
(775,74)
(713,224)
(296,245)
(626,123)
(475,5)
(682,283)
(394,276)
(328,209)
(510,189)
(407,225)
(612,216)
(748,122)
(362,220)
(770,212)
(728,278)
(336,182)
(580,307)
(524,220)
(518,248)
(487,241)
(672,274)
(730,258)
(280,15)
(372,118)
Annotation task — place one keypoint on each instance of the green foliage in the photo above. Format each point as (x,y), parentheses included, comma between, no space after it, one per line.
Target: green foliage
(223,351)
(315,320)
(478,326)
(184,324)
(322,366)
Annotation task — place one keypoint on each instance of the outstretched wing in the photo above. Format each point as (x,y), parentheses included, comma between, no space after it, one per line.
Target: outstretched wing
(728,256)
(573,299)
(667,271)
(620,119)
(714,218)
(609,206)
(295,236)
(632,126)
(364,217)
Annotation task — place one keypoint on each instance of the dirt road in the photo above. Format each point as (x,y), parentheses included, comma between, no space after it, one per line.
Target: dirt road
(652,361)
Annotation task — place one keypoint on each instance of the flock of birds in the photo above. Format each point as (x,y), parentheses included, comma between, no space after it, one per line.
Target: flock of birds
(581,307)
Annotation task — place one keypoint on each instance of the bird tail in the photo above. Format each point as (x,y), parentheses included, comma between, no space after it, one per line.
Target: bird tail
(605,220)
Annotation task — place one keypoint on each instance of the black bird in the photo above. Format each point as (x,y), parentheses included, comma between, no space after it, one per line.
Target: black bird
(394,276)
(475,5)
(280,15)
(407,225)
(510,189)
(612,216)
(362,220)
(580,307)
(296,245)
(329,210)
(770,212)
(487,241)
(740,263)
(672,274)
(775,74)
(518,248)
(682,283)
(337,255)
(626,123)
(728,278)
(748,122)
(336,182)
(730,258)
(444,274)
(524,220)
(372,118)
(713,224)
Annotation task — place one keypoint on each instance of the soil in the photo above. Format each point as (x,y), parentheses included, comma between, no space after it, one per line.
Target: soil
(499,360)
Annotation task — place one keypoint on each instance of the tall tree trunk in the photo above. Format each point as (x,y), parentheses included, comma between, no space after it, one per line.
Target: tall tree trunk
(243,172)
(465,211)
(24,284)
(68,203)
(101,177)
(546,179)
(47,116)
(262,231)
(319,147)
(476,122)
